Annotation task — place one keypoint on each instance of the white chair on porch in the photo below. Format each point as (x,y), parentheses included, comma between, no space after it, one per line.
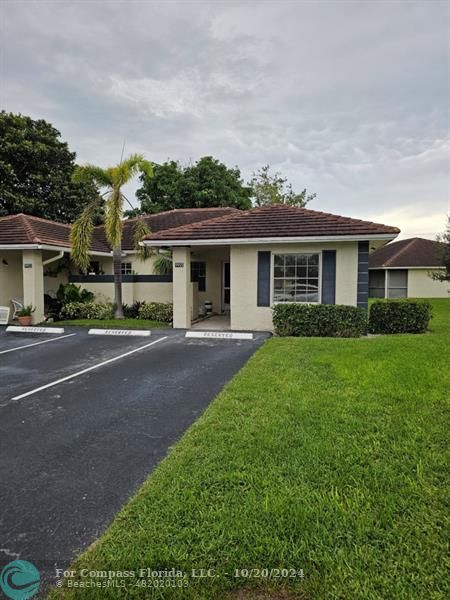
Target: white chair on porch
(17,305)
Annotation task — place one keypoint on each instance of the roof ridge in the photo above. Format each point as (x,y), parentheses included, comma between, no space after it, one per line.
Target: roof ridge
(400,251)
(207,221)
(14,216)
(48,221)
(316,212)
(172,210)
(24,217)
(31,234)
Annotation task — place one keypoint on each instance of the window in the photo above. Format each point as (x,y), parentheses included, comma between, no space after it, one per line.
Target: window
(397,283)
(126,268)
(198,274)
(296,278)
(377,284)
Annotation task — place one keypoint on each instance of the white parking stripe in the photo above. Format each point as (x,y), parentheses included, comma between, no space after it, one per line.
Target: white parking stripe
(36,343)
(105,362)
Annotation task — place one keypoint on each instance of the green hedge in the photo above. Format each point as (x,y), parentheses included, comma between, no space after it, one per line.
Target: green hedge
(156,311)
(399,316)
(86,310)
(319,320)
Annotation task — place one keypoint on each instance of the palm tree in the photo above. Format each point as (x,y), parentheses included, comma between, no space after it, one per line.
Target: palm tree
(111,180)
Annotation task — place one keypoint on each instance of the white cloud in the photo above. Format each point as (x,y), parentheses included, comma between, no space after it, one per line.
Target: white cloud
(161,98)
(348,99)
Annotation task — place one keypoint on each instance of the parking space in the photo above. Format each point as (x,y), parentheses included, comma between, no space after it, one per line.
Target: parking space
(84,419)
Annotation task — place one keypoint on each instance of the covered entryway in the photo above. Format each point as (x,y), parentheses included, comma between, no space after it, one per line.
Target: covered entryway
(201,277)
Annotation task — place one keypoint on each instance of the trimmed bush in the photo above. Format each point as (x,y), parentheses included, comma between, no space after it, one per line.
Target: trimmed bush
(131,311)
(319,320)
(86,310)
(157,311)
(399,316)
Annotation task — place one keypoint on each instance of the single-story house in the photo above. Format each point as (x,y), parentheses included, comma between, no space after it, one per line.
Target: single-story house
(240,261)
(404,269)
(273,254)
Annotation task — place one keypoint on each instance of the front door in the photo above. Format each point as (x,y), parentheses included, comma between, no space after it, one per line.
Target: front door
(226,287)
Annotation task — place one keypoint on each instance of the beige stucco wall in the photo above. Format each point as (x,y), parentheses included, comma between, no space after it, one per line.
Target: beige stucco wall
(245,314)
(420,285)
(11,282)
(140,267)
(33,282)
(131,291)
(52,283)
(182,288)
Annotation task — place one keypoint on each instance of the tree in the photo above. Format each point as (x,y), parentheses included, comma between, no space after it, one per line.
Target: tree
(268,188)
(36,168)
(444,239)
(206,183)
(111,180)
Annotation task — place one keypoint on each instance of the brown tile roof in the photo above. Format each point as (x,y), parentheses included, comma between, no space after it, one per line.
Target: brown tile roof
(26,229)
(414,252)
(278,220)
(171,219)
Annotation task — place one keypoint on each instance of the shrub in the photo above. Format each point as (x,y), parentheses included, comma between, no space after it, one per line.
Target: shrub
(399,316)
(319,320)
(131,311)
(157,311)
(86,310)
(69,292)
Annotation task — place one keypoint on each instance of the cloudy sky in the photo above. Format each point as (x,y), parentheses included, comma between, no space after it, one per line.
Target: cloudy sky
(347,98)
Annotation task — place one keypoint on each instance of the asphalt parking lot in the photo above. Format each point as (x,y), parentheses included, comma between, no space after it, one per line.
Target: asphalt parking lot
(83,421)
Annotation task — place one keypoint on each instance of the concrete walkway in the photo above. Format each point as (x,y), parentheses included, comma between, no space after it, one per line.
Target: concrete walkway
(214,323)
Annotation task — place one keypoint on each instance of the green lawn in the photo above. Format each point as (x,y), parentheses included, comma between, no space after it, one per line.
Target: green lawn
(327,455)
(114,323)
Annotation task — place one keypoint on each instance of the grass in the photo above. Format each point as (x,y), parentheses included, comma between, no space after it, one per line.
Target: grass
(327,455)
(113,323)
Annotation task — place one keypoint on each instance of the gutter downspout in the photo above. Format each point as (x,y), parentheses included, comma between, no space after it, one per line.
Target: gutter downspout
(53,258)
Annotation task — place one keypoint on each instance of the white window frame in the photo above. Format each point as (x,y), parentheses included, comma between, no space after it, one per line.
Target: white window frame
(272,273)
(389,287)
(122,265)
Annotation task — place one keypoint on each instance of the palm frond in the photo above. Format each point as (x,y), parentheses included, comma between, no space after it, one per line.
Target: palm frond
(140,230)
(113,217)
(131,167)
(163,263)
(92,173)
(81,236)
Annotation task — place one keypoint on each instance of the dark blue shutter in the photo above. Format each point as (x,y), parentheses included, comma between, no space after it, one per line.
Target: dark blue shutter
(263,293)
(329,277)
(363,274)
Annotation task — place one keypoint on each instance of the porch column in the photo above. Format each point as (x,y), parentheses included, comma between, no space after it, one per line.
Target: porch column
(181,258)
(33,282)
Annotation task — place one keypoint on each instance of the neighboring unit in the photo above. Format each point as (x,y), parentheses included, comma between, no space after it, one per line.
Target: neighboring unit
(404,269)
